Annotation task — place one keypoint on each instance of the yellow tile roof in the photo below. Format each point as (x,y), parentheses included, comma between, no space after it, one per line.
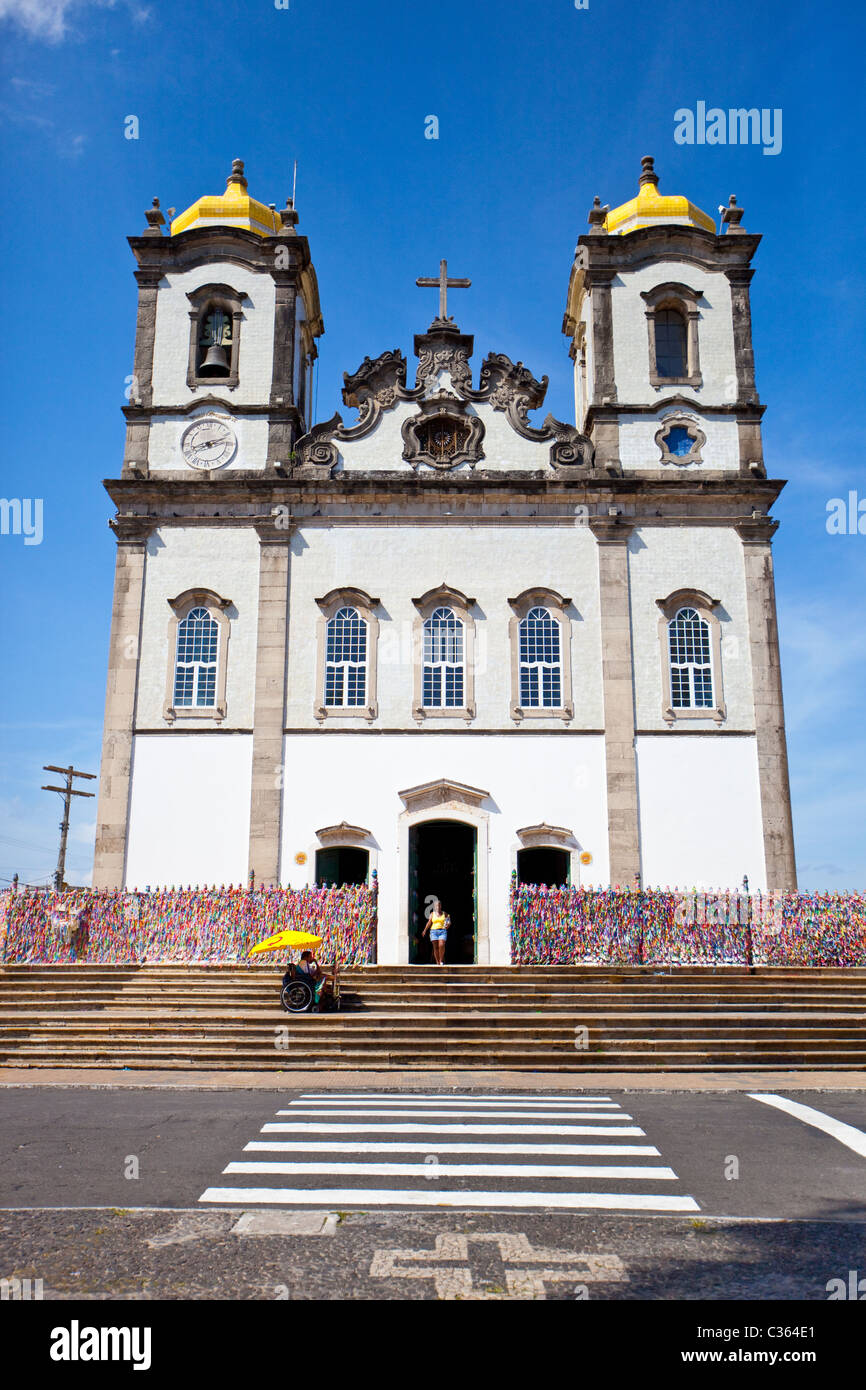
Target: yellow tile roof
(234,208)
(650,208)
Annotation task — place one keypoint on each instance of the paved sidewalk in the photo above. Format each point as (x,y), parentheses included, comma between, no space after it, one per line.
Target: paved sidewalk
(434,1080)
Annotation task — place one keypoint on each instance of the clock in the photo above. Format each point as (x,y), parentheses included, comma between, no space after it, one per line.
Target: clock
(208,442)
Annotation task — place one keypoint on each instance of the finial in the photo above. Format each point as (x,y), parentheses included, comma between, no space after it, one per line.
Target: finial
(597,214)
(155,220)
(237,174)
(647,172)
(733,215)
(288,218)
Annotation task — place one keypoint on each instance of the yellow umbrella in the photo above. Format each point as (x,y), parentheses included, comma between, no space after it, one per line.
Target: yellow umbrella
(284,939)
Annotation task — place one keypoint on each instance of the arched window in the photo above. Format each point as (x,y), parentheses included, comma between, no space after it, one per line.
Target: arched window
(196,661)
(347,636)
(673,315)
(540,661)
(671,344)
(216,314)
(346,660)
(690,661)
(539,637)
(442,680)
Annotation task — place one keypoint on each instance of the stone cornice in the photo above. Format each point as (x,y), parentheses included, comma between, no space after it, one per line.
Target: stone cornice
(148,412)
(132,530)
(739,409)
(272,530)
(757,530)
(610,530)
(737,494)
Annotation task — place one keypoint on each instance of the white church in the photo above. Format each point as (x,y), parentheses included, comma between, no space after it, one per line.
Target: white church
(435,639)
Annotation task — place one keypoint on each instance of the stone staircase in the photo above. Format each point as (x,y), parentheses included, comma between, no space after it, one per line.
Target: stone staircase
(533,1018)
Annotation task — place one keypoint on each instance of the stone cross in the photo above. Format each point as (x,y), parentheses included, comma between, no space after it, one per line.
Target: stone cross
(428,282)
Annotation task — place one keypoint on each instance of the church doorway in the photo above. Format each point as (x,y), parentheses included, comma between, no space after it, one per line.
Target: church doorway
(549,866)
(442,864)
(340,864)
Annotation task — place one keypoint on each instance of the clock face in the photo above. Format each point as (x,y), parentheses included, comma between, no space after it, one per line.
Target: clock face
(209,442)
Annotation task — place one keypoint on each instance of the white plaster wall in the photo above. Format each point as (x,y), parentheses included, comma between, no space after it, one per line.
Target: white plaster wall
(383,448)
(638,449)
(171,345)
(179,558)
(487,562)
(189,815)
(663,559)
(167,431)
(555,778)
(631,338)
(700,812)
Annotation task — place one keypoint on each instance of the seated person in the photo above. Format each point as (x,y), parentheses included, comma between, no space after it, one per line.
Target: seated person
(308,968)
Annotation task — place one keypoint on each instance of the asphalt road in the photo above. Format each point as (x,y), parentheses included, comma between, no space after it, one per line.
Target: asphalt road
(730,1198)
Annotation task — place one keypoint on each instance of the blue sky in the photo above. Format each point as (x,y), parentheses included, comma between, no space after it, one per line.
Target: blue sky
(540,107)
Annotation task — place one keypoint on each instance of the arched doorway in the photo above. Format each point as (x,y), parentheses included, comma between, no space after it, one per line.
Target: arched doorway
(442,864)
(340,864)
(544,864)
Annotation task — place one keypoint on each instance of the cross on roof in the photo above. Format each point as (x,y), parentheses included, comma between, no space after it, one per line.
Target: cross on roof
(429,282)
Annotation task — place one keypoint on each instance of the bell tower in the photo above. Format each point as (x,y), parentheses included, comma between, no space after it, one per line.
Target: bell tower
(228,317)
(220,393)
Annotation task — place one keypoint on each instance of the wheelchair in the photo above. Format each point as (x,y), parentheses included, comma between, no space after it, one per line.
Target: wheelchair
(298,995)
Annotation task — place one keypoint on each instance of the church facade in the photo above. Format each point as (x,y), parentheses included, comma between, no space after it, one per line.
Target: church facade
(437,640)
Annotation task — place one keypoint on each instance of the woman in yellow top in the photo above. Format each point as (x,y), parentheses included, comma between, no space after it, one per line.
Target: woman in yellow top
(437,924)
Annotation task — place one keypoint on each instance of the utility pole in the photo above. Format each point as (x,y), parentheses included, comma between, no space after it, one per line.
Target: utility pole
(67,793)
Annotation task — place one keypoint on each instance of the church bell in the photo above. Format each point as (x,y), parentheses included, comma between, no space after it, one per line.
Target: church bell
(216,362)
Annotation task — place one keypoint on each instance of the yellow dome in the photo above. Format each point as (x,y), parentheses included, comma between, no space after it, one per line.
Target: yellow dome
(234,208)
(650,209)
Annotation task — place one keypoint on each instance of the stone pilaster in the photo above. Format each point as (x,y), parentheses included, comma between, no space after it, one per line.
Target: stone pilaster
(740,278)
(269,719)
(605,423)
(775,789)
(612,535)
(112,813)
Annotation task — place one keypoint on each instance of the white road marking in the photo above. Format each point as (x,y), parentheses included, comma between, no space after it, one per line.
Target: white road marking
(410,1098)
(648,1173)
(848,1135)
(340,1197)
(303,1127)
(461,1114)
(353,1146)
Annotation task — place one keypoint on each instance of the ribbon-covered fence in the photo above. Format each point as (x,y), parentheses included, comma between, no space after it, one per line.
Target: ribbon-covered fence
(194,925)
(564,926)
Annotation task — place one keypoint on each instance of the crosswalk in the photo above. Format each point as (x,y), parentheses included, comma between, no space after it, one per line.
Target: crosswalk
(498,1152)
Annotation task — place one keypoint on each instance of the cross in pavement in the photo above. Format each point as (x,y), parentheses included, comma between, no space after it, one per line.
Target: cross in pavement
(430,282)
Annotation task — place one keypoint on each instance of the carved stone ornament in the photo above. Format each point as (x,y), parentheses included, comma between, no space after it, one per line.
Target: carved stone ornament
(570,449)
(442,435)
(376,386)
(316,453)
(510,387)
(443,349)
